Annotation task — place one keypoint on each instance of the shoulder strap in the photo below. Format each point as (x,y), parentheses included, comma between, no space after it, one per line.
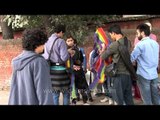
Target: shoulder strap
(125,55)
(52,48)
(119,55)
(126,42)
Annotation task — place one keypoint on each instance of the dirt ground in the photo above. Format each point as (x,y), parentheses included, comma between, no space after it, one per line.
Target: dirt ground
(4,95)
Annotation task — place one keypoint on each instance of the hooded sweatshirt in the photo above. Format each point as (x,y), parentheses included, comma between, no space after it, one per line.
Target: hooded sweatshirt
(31,84)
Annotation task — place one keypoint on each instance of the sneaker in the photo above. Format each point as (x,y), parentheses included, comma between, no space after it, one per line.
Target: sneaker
(74,102)
(86,104)
(78,98)
(115,103)
(112,102)
(106,99)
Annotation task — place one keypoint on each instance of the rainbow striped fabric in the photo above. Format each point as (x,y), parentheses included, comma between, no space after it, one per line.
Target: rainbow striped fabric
(100,37)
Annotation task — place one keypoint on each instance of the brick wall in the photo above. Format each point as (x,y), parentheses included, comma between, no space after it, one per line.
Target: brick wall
(17,35)
(8,50)
(128,28)
(11,48)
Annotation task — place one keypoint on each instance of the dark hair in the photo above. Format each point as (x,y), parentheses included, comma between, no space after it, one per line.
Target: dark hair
(59,28)
(144,28)
(70,36)
(115,28)
(32,38)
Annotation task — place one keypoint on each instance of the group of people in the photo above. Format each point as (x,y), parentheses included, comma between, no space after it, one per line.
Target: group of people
(34,82)
(144,57)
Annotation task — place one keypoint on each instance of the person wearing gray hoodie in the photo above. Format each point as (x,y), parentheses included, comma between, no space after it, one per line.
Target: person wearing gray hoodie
(31,83)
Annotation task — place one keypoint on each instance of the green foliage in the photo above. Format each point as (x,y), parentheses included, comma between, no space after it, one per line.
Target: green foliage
(34,21)
(17,21)
(77,25)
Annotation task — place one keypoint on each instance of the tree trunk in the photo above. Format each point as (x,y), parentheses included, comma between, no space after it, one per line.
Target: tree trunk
(7,31)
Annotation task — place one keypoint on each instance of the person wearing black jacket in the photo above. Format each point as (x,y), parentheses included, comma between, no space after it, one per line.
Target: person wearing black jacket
(80,79)
(121,83)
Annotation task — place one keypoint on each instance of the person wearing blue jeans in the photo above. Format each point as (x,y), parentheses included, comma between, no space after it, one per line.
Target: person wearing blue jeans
(107,86)
(121,90)
(55,50)
(66,97)
(149,90)
(146,54)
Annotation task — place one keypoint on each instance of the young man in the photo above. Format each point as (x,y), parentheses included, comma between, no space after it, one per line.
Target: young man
(58,56)
(121,92)
(153,37)
(31,84)
(146,54)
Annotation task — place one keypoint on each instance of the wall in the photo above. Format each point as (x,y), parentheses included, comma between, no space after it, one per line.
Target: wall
(128,28)
(11,48)
(17,35)
(8,50)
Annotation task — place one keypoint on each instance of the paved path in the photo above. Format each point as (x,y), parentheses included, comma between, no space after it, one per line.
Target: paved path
(4,95)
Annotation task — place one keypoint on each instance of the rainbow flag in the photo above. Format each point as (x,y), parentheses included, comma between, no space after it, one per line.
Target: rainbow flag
(100,37)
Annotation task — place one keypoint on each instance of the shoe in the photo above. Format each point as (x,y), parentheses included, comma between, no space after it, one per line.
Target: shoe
(74,102)
(78,98)
(98,94)
(90,99)
(106,99)
(86,104)
(112,102)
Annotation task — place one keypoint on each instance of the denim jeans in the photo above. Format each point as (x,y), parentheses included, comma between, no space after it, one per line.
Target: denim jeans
(107,85)
(149,90)
(121,89)
(66,97)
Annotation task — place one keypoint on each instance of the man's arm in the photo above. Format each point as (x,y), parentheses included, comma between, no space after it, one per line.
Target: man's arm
(64,54)
(135,53)
(108,52)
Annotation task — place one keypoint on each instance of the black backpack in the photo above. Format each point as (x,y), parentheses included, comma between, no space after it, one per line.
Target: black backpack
(125,55)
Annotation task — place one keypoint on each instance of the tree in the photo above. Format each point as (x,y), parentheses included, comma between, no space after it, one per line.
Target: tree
(80,25)
(7,31)
(77,25)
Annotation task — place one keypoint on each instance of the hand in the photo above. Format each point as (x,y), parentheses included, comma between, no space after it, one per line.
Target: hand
(100,52)
(71,52)
(76,68)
